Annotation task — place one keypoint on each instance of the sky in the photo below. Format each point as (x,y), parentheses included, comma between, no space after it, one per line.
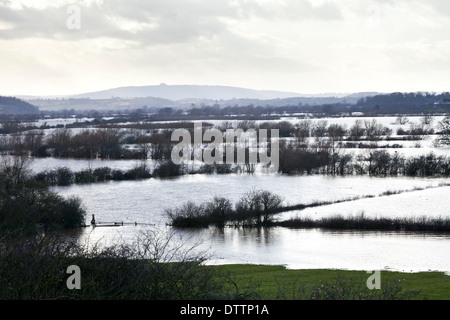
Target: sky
(307,46)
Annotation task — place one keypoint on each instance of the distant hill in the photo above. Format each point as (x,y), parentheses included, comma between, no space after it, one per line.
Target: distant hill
(13,105)
(115,104)
(180,92)
(151,103)
(121,104)
(185,97)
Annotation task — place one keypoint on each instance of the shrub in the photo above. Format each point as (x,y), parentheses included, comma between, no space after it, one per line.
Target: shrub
(25,203)
(157,266)
(168,169)
(257,207)
(189,215)
(219,210)
(65,176)
(84,176)
(138,172)
(102,174)
(117,175)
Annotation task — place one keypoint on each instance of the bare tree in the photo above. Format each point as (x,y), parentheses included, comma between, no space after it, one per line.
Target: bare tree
(320,128)
(401,119)
(303,129)
(258,207)
(14,170)
(427,119)
(357,131)
(220,209)
(444,132)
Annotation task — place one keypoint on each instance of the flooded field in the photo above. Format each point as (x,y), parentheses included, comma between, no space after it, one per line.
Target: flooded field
(145,202)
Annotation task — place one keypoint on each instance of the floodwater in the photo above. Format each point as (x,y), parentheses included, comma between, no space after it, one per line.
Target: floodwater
(146,201)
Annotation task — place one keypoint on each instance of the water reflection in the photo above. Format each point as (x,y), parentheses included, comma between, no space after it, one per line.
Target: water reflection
(145,202)
(300,248)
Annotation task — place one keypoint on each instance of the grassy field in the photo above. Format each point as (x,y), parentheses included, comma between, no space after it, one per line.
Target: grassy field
(270,280)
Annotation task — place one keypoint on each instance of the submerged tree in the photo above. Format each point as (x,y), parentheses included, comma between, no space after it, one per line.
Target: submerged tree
(258,207)
(444,133)
(220,209)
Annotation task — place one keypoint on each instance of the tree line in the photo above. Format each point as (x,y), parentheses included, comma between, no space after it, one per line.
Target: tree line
(407,102)
(296,158)
(64,143)
(142,141)
(27,206)
(305,147)
(256,208)
(64,176)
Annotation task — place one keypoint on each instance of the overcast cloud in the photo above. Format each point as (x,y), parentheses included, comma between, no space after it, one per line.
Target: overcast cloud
(307,46)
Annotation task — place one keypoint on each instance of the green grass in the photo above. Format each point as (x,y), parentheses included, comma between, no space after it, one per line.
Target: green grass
(431,285)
